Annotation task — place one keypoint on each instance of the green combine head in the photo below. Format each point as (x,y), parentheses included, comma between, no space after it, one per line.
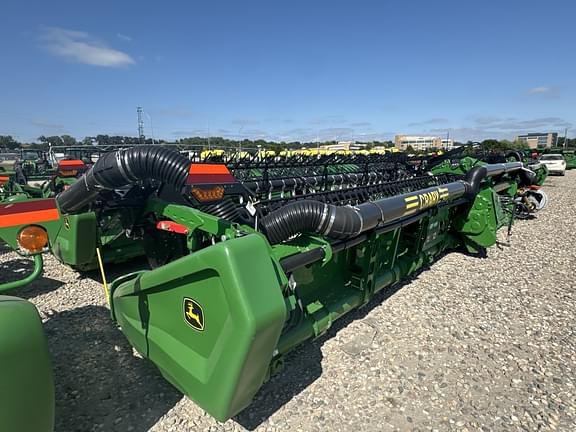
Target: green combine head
(528,199)
(570,156)
(17,185)
(27,396)
(249,259)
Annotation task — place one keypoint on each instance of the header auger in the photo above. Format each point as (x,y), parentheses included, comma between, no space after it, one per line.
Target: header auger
(252,257)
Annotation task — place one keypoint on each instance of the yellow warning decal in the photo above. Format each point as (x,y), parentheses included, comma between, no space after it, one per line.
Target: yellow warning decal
(425,200)
(443,193)
(193,314)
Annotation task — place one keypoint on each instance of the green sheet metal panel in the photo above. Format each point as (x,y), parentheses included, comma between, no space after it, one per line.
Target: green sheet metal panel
(26,382)
(234,288)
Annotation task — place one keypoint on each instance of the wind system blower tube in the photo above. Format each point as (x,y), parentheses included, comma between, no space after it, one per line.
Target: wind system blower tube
(123,167)
(314,217)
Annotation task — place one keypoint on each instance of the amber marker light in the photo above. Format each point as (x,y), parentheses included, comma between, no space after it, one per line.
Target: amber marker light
(208,194)
(32,238)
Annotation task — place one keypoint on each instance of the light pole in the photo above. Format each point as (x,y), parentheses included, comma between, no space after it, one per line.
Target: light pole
(240,140)
(151,126)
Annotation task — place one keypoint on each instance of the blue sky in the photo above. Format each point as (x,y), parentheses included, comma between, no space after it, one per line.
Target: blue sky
(292,70)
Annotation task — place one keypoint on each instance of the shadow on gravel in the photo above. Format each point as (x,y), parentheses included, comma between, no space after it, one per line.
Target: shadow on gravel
(100,385)
(19,268)
(304,365)
(4,248)
(114,271)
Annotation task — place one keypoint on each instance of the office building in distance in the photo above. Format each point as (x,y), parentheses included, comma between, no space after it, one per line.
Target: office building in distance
(420,143)
(539,140)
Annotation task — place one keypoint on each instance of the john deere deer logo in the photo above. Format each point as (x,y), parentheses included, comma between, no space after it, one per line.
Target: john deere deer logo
(193,314)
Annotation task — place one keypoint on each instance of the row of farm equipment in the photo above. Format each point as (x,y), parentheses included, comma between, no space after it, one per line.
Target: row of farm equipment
(249,257)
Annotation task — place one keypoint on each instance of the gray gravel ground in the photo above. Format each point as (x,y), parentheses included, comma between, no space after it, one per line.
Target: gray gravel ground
(471,344)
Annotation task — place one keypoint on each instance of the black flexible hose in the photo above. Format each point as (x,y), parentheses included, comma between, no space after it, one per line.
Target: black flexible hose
(516,155)
(473,180)
(527,177)
(313,217)
(120,168)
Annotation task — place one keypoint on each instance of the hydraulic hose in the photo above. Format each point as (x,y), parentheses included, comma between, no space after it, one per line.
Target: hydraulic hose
(123,167)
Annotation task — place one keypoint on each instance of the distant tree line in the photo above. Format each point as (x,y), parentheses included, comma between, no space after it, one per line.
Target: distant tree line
(43,142)
(273,145)
(496,145)
(501,145)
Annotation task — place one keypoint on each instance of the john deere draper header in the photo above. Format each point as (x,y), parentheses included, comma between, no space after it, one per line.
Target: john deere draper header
(250,258)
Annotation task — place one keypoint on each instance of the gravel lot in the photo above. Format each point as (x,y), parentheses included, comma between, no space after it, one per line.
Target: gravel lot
(471,344)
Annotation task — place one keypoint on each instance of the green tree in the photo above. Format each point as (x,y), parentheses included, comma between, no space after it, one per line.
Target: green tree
(103,140)
(69,140)
(6,141)
(490,144)
(503,145)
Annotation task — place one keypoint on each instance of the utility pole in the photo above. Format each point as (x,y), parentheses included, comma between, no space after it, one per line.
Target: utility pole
(565,136)
(240,140)
(141,137)
(151,126)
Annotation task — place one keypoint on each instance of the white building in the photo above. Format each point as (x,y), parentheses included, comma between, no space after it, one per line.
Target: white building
(447,144)
(539,140)
(421,143)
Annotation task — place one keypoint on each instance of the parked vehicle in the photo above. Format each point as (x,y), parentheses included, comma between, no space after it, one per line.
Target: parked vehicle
(555,163)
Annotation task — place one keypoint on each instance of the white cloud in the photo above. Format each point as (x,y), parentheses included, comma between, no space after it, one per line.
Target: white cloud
(432,121)
(81,47)
(545,92)
(334,119)
(503,128)
(514,124)
(539,90)
(245,121)
(124,37)
(47,124)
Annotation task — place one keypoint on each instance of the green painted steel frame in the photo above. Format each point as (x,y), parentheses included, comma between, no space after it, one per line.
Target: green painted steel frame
(37,271)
